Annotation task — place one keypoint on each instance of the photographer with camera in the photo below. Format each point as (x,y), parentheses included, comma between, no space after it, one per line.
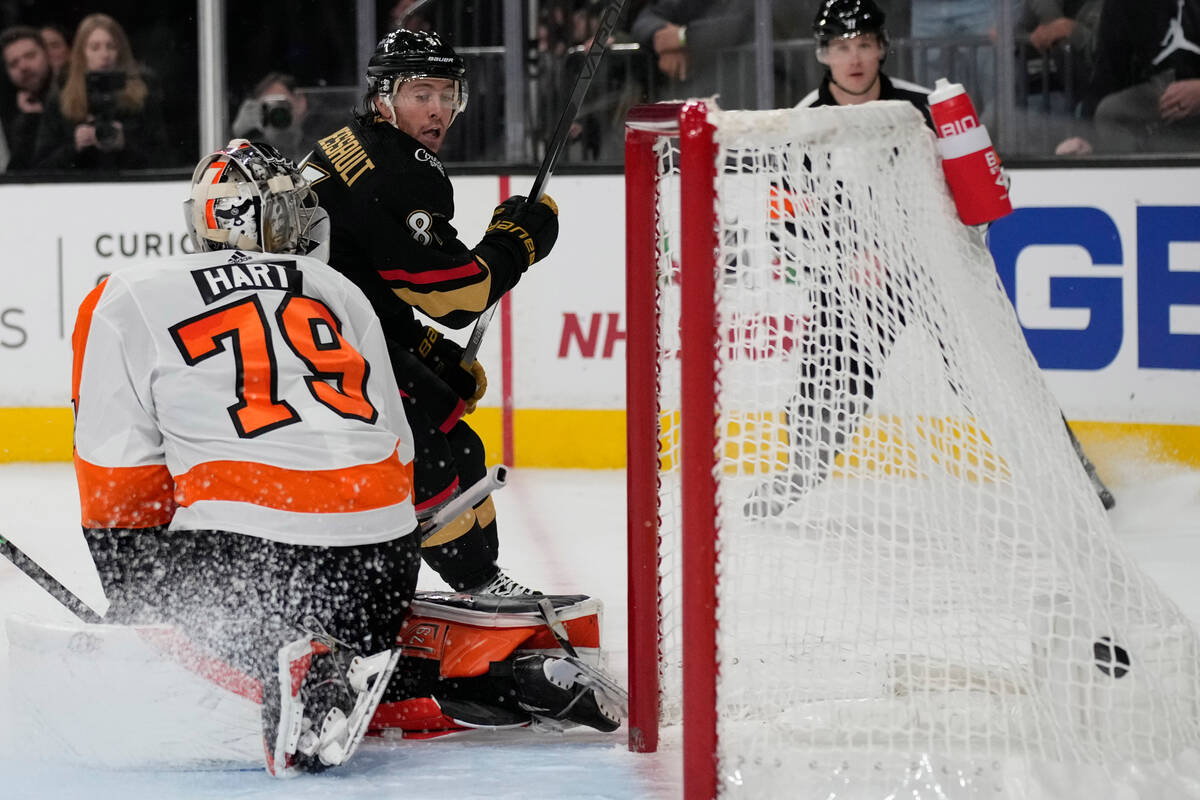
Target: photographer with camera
(105,116)
(277,114)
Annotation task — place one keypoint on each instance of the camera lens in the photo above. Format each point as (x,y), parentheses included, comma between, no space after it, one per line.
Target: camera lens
(106,133)
(277,114)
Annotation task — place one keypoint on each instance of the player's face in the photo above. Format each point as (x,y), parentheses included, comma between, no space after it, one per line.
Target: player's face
(854,62)
(424,109)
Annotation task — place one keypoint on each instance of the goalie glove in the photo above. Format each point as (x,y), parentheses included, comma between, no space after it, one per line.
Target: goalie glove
(443,357)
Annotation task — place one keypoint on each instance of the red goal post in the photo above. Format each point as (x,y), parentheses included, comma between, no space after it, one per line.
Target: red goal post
(646,129)
(939,604)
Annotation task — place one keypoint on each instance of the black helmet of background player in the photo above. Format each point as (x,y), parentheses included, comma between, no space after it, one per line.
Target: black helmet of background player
(845,19)
(405,55)
(248,196)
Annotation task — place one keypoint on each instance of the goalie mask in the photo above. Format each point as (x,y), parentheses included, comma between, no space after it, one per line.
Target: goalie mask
(846,19)
(248,196)
(405,55)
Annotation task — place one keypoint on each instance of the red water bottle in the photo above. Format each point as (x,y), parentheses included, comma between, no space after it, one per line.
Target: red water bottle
(970,162)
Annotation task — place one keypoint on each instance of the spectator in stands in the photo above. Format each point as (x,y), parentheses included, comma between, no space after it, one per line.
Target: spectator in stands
(1145,90)
(58,47)
(564,35)
(1051,26)
(1058,47)
(106,115)
(276,113)
(28,68)
(687,37)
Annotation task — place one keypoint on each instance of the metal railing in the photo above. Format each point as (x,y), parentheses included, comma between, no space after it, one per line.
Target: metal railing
(1028,100)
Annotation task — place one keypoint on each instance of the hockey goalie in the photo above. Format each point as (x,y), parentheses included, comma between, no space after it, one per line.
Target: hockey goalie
(246,484)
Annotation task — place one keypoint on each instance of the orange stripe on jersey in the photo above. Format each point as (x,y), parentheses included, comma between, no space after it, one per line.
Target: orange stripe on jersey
(327,491)
(83,324)
(124,497)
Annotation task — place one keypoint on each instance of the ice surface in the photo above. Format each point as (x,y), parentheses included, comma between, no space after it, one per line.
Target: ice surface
(562,531)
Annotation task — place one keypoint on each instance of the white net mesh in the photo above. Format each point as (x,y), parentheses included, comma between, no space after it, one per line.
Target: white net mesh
(918,589)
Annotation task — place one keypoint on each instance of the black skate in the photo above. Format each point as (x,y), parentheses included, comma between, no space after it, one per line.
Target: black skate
(562,691)
(775,496)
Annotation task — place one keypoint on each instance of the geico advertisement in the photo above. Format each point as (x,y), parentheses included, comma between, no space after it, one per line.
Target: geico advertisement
(1103,267)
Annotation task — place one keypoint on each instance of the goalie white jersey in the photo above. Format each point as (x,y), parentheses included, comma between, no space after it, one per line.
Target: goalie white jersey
(241,392)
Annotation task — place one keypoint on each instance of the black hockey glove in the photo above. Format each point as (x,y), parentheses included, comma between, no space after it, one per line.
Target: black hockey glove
(527,231)
(444,358)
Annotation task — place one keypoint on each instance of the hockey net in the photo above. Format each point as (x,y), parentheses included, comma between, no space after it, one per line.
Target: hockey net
(864,558)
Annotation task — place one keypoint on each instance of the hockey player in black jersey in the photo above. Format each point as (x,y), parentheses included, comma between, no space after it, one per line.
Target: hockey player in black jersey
(838,376)
(391,205)
(852,43)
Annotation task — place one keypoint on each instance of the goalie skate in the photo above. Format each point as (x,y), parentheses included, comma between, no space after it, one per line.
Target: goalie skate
(563,691)
(774,497)
(310,684)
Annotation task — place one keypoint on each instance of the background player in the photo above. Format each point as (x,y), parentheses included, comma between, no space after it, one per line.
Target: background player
(243,459)
(838,376)
(852,43)
(391,206)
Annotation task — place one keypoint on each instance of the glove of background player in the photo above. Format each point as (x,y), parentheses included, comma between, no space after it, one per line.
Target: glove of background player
(526,230)
(480,386)
(444,358)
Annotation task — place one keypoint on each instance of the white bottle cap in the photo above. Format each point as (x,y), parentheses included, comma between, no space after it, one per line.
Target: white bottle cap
(943,90)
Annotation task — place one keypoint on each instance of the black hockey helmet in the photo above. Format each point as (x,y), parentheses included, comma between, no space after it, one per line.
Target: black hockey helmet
(405,55)
(845,19)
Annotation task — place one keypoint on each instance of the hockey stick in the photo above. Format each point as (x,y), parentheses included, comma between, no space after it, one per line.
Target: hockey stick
(71,601)
(496,478)
(583,80)
(413,9)
(1107,499)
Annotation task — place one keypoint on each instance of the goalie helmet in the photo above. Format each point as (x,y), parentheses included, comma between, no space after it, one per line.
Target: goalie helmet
(247,196)
(845,19)
(405,55)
